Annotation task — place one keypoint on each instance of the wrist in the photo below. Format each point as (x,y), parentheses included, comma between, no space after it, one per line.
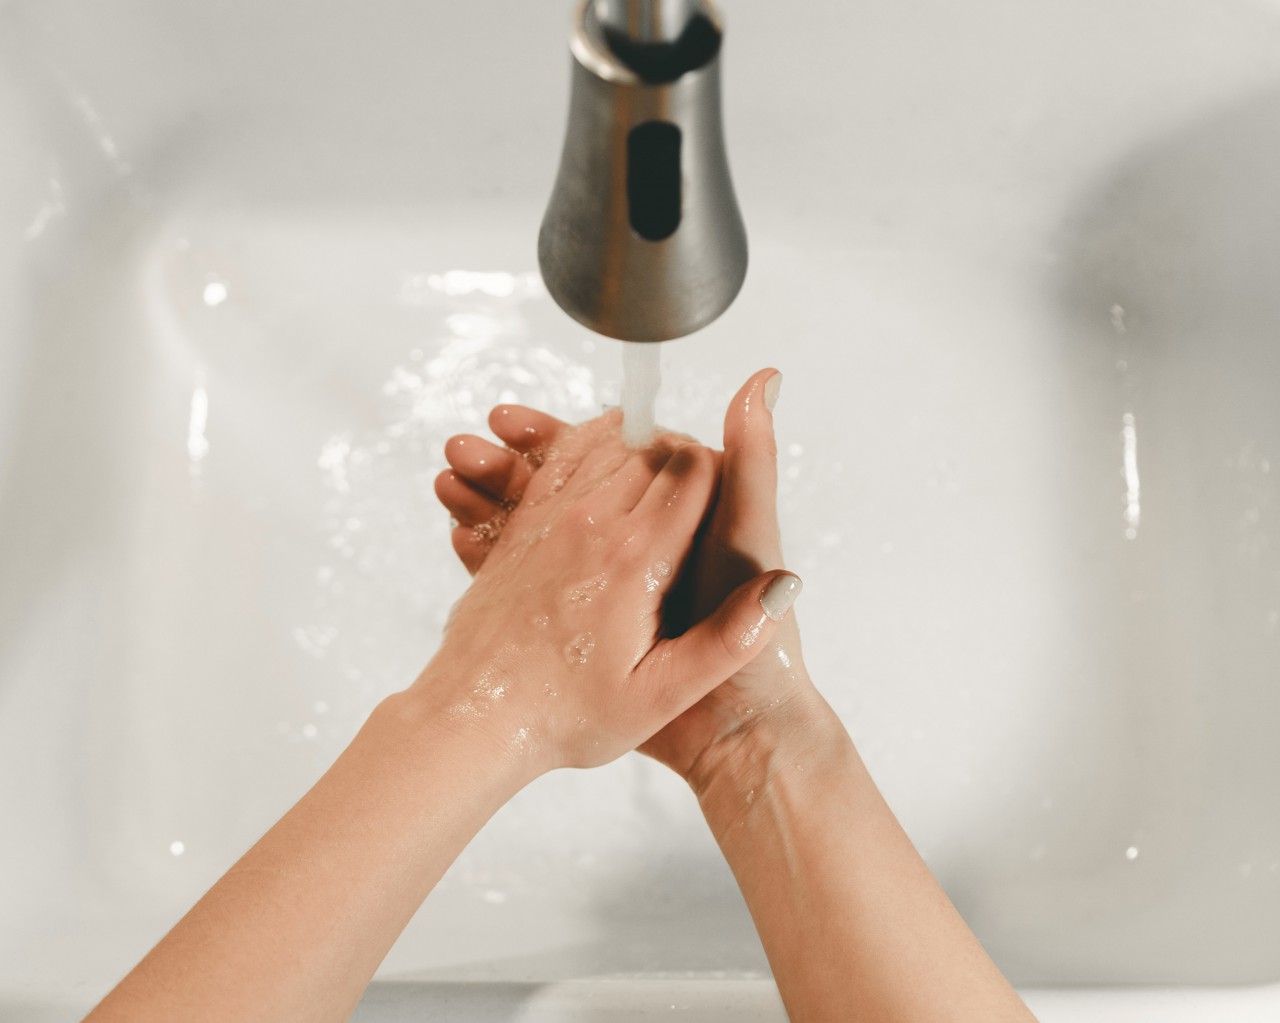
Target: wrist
(739,772)
(428,722)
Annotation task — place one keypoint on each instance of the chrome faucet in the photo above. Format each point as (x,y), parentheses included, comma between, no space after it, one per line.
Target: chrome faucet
(648,21)
(642,238)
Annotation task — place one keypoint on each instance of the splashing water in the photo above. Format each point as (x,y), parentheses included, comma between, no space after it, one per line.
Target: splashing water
(641,375)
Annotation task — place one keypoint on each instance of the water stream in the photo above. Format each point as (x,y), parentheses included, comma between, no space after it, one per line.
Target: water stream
(641,376)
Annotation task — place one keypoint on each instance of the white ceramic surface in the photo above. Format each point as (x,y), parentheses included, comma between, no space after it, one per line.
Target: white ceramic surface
(1017,262)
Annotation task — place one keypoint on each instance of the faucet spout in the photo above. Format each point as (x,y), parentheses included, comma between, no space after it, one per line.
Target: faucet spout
(642,239)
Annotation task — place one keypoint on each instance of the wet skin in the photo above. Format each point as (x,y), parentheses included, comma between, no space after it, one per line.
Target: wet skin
(854,924)
(739,540)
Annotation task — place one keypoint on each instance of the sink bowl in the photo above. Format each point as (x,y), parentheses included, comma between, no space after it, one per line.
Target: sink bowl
(1015,263)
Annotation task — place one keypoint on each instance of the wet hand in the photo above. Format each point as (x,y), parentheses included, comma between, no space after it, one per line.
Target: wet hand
(741,541)
(556,654)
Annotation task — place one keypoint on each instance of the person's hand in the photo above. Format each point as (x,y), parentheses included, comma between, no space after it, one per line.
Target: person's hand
(742,540)
(556,652)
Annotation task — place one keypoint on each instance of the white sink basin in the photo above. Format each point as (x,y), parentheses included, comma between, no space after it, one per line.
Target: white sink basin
(1016,262)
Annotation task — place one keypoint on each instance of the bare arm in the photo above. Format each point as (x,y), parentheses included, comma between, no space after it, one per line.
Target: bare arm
(853,923)
(295,930)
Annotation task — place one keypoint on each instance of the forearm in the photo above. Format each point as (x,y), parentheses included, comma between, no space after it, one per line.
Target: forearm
(853,923)
(296,929)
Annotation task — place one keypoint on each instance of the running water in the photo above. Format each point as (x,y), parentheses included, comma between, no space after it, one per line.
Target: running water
(641,375)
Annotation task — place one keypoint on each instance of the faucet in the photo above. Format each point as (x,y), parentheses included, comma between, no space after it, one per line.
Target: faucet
(642,239)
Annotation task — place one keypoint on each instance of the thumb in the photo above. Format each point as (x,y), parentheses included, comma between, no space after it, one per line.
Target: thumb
(747,506)
(725,641)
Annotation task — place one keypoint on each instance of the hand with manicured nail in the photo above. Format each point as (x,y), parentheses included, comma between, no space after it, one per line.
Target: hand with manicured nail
(557,651)
(741,541)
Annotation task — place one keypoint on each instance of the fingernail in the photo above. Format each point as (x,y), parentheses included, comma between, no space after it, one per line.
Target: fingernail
(779,595)
(771,388)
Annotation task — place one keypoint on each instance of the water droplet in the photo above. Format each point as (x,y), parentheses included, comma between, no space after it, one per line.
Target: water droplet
(466,710)
(1131,853)
(584,593)
(487,687)
(654,576)
(177,848)
(522,740)
(488,532)
(578,649)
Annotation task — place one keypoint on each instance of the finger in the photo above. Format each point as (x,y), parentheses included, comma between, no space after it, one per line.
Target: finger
(524,429)
(632,481)
(466,504)
(672,438)
(598,471)
(472,545)
(688,667)
(746,512)
(680,493)
(497,472)
(575,447)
